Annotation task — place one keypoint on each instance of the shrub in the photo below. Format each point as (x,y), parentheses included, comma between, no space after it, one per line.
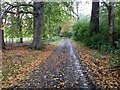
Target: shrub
(80,29)
(98,41)
(66,34)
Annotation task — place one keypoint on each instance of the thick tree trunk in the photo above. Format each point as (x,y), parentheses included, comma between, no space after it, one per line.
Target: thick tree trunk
(111,24)
(38,25)
(94,23)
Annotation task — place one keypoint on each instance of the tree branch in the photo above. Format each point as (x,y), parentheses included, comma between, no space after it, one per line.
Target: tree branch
(70,9)
(18,5)
(10,7)
(105,3)
(20,12)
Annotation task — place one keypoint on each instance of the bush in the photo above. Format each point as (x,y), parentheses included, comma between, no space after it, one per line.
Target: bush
(66,34)
(98,41)
(79,30)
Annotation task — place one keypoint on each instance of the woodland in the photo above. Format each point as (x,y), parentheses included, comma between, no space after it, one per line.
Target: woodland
(31,32)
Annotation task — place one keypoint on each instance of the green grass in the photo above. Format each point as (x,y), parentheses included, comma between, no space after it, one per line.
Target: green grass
(57,40)
(98,55)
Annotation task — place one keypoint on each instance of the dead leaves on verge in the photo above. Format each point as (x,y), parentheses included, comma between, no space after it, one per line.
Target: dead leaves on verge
(18,63)
(99,68)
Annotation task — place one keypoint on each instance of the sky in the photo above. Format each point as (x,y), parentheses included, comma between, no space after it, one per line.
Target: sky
(85,7)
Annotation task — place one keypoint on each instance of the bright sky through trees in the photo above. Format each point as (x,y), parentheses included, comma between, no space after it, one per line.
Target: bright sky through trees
(84,7)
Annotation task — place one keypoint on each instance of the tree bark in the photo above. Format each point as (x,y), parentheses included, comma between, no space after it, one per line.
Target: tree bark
(20,29)
(38,25)
(77,3)
(111,16)
(19,25)
(2,46)
(94,23)
(21,38)
(2,43)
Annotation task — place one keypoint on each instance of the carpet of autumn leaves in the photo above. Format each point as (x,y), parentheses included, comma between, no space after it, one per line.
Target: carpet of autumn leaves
(19,62)
(102,74)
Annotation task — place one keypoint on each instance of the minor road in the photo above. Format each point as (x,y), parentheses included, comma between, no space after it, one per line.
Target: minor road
(62,70)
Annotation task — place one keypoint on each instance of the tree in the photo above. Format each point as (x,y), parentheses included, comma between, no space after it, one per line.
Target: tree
(111,16)
(77,4)
(53,13)
(38,24)
(111,23)
(10,8)
(19,25)
(94,22)
(2,46)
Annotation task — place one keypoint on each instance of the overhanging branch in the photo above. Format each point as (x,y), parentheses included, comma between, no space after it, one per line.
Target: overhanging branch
(11,6)
(20,12)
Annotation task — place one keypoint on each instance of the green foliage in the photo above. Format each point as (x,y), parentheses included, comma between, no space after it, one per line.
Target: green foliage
(66,34)
(80,30)
(12,28)
(100,41)
(57,39)
(54,16)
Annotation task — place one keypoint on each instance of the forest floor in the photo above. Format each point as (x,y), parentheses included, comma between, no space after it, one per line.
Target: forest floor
(57,67)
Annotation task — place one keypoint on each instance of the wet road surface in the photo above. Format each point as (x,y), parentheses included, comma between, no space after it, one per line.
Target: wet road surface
(62,70)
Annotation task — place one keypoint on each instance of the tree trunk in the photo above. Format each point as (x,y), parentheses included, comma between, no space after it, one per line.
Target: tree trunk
(38,25)
(94,23)
(21,38)
(111,23)
(2,46)
(19,24)
(77,3)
